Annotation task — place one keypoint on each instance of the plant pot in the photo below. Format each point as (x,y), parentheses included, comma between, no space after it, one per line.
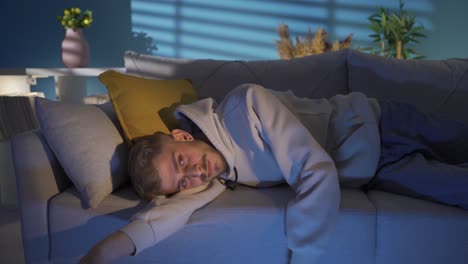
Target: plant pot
(75,49)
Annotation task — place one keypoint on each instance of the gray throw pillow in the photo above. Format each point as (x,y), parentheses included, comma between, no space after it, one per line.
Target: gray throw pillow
(88,146)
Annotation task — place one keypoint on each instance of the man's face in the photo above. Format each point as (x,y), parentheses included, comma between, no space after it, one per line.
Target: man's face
(185,164)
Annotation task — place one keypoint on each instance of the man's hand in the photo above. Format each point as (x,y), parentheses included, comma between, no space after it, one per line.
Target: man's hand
(113,247)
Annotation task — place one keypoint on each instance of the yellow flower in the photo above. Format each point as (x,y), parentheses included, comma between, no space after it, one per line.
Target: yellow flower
(74,17)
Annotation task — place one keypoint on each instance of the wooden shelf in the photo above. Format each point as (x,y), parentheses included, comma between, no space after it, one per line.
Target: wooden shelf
(70,83)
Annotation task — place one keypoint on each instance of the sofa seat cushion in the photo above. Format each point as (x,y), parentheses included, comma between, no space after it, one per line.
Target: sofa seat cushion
(247,226)
(354,238)
(241,226)
(249,222)
(74,230)
(416,231)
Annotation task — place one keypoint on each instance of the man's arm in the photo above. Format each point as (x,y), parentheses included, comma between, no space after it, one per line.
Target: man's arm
(113,247)
(306,167)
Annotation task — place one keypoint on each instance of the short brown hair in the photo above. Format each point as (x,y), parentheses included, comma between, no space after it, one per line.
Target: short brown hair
(143,177)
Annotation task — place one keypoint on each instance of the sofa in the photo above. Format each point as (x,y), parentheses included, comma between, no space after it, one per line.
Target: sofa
(247,225)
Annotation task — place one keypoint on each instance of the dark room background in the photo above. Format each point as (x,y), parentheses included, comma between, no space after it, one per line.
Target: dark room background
(231,29)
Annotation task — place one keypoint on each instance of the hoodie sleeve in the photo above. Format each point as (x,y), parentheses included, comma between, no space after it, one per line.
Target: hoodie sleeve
(164,216)
(306,167)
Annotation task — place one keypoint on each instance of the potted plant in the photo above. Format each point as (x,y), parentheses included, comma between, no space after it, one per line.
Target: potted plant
(75,48)
(394,31)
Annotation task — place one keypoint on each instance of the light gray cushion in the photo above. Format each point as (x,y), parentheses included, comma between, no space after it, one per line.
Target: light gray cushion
(74,231)
(315,76)
(241,226)
(88,146)
(354,238)
(416,231)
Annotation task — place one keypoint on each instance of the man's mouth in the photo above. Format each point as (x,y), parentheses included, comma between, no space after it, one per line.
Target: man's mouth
(207,175)
(208,170)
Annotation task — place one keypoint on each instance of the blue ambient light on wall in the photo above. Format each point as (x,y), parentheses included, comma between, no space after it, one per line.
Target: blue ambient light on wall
(243,29)
(416,5)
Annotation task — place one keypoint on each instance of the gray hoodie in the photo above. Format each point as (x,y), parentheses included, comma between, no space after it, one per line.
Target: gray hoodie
(272,138)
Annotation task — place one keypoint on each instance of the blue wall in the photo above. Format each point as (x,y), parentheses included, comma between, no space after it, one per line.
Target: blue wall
(224,29)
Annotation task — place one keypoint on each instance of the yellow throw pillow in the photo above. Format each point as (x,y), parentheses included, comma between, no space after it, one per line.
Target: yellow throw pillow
(145,106)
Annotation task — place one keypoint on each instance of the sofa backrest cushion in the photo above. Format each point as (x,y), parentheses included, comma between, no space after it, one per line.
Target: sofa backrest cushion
(436,86)
(313,76)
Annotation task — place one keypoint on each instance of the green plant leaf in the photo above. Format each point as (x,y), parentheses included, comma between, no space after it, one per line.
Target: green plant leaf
(390,27)
(407,54)
(374,17)
(411,20)
(406,39)
(394,17)
(421,35)
(418,28)
(375,26)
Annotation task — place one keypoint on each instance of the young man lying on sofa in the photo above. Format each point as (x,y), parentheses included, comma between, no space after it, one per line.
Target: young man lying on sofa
(261,138)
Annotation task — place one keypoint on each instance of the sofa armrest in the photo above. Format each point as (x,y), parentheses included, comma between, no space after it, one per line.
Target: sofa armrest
(39,177)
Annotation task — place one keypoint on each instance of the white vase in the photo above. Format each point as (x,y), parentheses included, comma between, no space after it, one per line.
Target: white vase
(75,49)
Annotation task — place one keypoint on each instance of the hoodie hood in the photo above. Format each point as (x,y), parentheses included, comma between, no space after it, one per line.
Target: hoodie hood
(203,114)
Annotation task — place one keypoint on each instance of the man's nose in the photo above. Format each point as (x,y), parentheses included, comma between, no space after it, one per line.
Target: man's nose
(193,175)
(194,172)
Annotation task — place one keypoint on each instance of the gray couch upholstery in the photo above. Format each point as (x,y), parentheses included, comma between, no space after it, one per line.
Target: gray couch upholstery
(247,225)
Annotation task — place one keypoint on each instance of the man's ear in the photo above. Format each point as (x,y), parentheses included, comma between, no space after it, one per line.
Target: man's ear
(181,135)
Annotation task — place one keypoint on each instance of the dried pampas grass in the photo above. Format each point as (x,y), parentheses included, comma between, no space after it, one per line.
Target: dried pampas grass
(312,44)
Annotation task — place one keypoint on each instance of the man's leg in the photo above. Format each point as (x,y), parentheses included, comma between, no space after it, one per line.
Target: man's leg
(405,130)
(418,177)
(422,156)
